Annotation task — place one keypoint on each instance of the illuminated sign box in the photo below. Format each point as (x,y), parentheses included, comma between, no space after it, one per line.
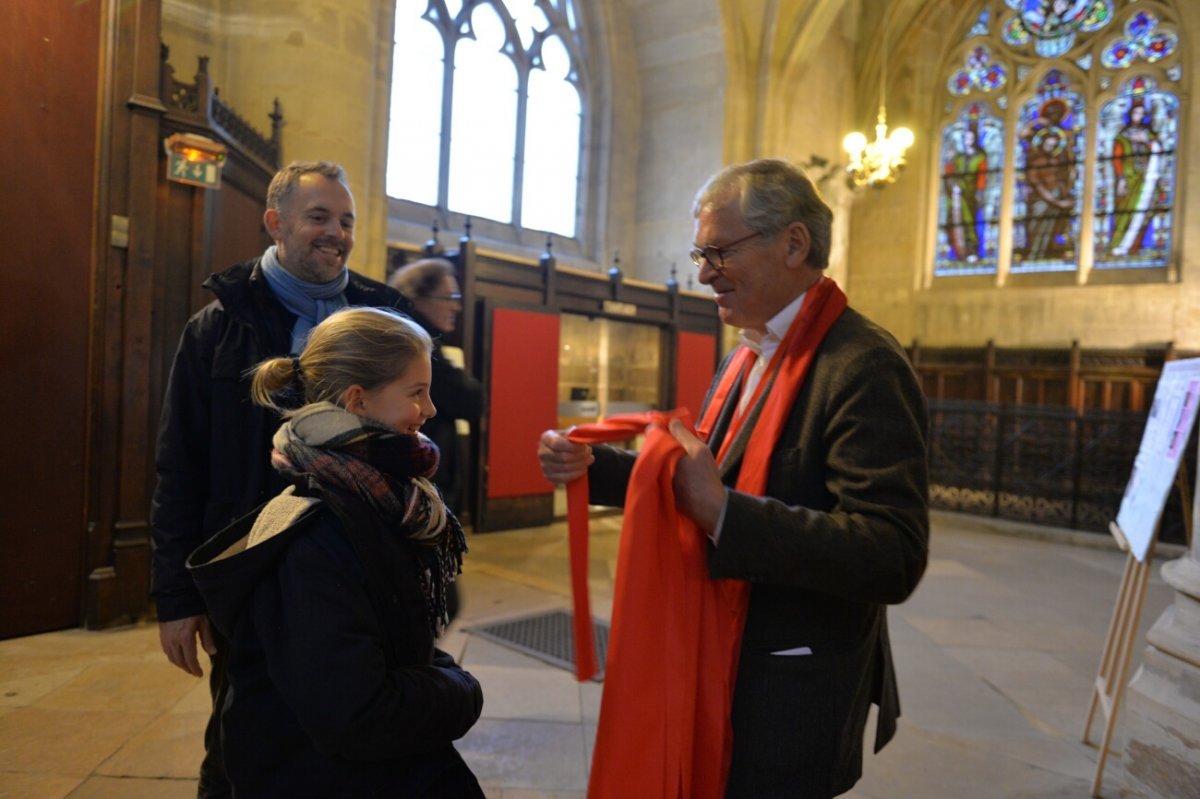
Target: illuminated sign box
(194,160)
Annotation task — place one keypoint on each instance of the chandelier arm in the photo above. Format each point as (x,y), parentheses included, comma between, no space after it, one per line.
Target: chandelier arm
(876,163)
(883,69)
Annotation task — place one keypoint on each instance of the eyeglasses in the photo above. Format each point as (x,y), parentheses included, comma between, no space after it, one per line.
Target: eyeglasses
(716,255)
(445,297)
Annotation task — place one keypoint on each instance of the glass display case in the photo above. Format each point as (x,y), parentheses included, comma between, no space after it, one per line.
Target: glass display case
(606,367)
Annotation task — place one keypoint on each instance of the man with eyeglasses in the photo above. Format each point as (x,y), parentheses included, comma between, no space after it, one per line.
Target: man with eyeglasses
(809,478)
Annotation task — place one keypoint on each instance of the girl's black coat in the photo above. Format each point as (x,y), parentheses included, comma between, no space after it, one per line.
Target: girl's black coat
(336,688)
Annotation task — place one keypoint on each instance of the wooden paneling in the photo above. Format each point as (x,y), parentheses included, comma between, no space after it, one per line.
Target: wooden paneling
(50,161)
(120,437)
(1074,377)
(146,291)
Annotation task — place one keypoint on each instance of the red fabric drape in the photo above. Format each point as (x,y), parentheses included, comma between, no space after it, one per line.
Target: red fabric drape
(672,651)
(664,730)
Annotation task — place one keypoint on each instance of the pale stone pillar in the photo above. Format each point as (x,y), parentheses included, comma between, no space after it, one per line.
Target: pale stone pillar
(1162,755)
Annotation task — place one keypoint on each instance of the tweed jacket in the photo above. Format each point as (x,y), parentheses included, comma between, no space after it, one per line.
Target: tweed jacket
(841,532)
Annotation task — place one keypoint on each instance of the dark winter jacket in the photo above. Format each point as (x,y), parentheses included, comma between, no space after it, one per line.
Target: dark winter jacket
(456,395)
(214,444)
(336,688)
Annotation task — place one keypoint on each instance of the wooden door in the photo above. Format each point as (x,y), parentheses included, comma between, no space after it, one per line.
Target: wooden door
(49,152)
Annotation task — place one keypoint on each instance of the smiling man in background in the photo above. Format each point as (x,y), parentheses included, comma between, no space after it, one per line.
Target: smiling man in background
(214,444)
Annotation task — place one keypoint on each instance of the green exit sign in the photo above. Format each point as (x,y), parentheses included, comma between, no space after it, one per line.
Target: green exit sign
(205,174)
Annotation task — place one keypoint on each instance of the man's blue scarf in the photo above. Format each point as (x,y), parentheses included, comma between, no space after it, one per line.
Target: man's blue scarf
(311,302)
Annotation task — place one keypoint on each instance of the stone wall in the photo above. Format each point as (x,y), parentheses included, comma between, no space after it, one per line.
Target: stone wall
(680,51)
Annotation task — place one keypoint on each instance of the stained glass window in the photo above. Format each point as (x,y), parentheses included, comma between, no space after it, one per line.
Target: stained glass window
(1048,170)
(979,72)
(1086,92)
(508,66)
(1053,26)
(1135,176)
(972,162)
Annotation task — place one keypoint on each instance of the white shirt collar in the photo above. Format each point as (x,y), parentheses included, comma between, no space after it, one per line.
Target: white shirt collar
(764,345)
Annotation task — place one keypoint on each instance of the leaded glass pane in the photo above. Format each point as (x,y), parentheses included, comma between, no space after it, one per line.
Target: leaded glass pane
(979,74)
(1015,33)
(1049,178)
(983,25)
(972,160)
(1142,42)
(415,125)
(551,145)
(484,122)
(1135,180)
(1053,25)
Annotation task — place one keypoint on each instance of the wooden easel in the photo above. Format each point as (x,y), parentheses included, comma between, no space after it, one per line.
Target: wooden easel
(1109,687)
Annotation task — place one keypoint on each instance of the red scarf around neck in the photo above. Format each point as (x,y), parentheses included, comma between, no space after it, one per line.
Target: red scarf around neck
(664,729)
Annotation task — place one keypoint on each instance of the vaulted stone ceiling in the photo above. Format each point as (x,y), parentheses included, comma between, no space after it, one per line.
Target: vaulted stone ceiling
(770,44)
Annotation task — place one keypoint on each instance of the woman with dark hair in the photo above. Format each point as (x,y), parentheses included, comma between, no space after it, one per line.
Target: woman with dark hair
(333,593)
(432,288)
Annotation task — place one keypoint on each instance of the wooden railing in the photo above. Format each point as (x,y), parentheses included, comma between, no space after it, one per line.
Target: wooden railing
(202,101)
(1073,377)
(1042,436)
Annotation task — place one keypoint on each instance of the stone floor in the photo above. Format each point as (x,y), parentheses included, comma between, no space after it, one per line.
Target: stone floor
(996,653)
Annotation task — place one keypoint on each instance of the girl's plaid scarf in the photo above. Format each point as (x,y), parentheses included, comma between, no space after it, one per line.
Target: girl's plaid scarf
(322,444)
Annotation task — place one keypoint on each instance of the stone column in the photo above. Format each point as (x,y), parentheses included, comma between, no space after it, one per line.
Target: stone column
(1162,756)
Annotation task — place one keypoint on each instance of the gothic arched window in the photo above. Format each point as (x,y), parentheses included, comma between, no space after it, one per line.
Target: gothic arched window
(1059,139)
(486,110)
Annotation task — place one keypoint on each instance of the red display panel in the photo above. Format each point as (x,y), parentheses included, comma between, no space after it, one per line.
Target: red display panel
(695,364)
(524,399)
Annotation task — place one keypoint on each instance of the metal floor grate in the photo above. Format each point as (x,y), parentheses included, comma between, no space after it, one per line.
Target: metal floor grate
(547,636)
